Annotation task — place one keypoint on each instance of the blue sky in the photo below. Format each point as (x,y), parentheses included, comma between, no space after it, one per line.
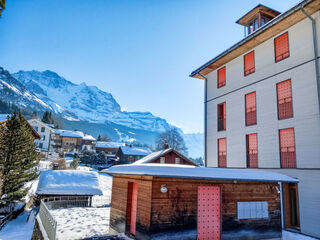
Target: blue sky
(140,51)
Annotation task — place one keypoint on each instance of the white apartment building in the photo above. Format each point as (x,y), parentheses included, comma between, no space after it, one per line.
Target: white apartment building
(46,133)
(262,101)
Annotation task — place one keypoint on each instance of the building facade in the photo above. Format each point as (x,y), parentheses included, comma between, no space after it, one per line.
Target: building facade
(262,107)
(46,134)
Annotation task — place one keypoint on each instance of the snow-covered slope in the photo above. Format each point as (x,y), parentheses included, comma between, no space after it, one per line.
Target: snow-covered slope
(88,103)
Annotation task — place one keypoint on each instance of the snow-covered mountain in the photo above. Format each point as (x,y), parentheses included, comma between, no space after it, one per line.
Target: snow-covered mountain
(87,103)
(86,108)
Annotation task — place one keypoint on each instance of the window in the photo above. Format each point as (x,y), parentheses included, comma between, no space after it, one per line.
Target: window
(287,148)
(253,25)
(162,160)
(40,145)
(284,100)
(281,47)
(43,137)
(222,116)
(222,153)
(249,63)
(252,210)
(35,128)
(42,129)
(251,110)
(177,160)
(252,151)
(221,77)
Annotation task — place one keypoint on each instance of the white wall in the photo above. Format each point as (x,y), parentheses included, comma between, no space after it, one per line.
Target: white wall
(46,133)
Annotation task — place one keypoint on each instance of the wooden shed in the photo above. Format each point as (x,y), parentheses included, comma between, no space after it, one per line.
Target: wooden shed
(210,203)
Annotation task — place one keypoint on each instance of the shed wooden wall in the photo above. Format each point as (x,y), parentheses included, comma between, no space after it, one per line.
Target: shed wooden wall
(178,207)
(119,203)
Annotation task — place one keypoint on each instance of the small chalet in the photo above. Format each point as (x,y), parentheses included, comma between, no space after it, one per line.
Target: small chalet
(4,117)
(130,154)
(167,156)
(110,148)
(64,185)
(149,200)
(70,141)
(88,142)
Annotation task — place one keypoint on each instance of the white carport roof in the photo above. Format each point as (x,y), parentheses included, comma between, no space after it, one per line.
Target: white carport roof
(194,172)
(68,182)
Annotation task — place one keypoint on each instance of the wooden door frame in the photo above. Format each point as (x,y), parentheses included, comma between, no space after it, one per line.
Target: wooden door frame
(287,206)
(129,206)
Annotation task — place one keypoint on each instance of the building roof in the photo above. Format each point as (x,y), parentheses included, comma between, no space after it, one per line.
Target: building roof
(68,182)
(31,121)
(69,133)
(252,13)
(4,117)
(275,26)
(193,172)
(102,144)
(88,137)
(140,151)
(156,155)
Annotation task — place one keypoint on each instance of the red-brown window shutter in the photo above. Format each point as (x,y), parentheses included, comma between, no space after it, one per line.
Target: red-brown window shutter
(222,152)
(221,77)
(281,47)
(249,63)
(251,109)
(252,150)
(287,148)
(284,95)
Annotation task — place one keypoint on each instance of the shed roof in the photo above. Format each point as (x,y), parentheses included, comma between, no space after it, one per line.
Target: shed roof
(88,137)
(193,172)
(155,155)
(68,182)
(140,151)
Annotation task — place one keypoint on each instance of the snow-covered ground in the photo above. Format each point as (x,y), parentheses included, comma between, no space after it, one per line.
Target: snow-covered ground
(78,223)
(105,182)
(20,228)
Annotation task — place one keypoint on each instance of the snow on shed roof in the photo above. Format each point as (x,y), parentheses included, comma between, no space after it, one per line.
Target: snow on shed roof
(187,171)
(4,117)
(102,144)
(69,133)
(68,182)
(141,151)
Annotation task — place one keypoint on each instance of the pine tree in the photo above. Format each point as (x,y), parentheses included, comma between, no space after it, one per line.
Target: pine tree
(47,117)
(99,138)
(18,158)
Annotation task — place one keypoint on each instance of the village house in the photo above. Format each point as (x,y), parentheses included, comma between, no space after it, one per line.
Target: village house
(130,154)
(207,203)
(108,147)
(64,186)
(69,141)
(88,142)
(262,99)
(4,117)
(46,134)
(166,156)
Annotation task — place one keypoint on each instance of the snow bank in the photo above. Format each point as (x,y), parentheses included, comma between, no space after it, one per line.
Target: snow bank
(68,182)
(187,171)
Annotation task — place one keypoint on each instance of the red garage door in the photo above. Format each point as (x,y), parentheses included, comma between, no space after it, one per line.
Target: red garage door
(209,216)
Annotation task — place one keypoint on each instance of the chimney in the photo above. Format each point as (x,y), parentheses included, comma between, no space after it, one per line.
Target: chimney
(165,146)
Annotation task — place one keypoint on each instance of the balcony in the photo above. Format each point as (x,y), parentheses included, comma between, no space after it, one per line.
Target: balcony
(288,157)
(221,124)
(285,108)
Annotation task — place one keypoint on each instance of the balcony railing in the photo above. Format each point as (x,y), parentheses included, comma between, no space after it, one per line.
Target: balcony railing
(252,159)
(285,108)
(288,157)
(251,117)
(48,222)
(222,161)
(221,124)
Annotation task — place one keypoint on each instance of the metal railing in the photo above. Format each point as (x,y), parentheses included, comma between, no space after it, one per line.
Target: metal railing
(221,124)
(251,117)
(285,108)
(48,222)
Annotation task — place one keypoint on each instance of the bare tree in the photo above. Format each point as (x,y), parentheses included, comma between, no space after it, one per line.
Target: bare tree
(171,139)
